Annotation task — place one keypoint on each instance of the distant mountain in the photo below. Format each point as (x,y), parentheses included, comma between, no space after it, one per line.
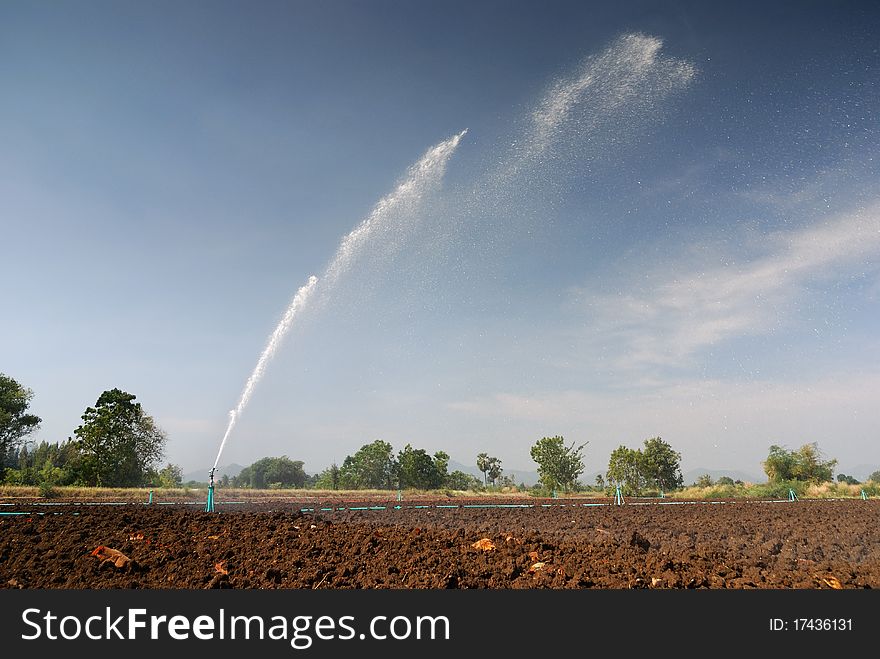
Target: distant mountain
(232,471)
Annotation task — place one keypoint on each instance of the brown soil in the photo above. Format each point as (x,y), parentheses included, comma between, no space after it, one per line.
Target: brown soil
(818,544)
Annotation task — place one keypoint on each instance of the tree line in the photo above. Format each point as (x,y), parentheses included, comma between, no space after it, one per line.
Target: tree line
(119,445)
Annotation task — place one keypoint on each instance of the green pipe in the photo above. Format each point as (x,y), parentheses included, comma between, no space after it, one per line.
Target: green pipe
(209,507)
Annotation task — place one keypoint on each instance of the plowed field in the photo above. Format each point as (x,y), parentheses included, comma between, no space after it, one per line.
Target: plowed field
(819,544)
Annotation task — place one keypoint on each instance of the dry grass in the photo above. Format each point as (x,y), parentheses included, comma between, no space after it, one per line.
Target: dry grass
(833,490)
(13,493)
(126,494)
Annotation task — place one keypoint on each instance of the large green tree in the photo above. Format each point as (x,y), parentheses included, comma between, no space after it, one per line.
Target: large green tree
(372,467)
(171,475)
(657,465)
(661,465)
(626,467)
(417,469)
(119,444)
(280,472)
(558,465)
(805,464)
(15,422)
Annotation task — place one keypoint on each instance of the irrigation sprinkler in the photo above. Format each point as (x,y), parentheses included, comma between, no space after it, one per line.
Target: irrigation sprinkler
(209,508)
(864,496)
(151,497)
(618,496)
(791,495)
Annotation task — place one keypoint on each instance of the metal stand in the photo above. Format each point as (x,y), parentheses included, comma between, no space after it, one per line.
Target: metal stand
(618,496)
(791,495)
(209,508)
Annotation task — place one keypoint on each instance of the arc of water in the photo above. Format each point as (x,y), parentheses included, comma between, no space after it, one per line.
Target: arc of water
(419,178)
(302,295)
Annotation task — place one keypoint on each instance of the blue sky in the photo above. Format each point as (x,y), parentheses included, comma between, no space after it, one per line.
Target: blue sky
(664,219)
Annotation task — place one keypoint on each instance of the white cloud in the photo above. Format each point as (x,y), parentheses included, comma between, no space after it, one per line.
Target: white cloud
(691,308)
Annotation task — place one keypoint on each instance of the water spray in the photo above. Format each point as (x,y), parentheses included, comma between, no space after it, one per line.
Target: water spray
(387,217)
(302,295)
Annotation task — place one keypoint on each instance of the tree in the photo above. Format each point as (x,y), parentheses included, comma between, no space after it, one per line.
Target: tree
(811,466)
(459,480)
(417,469)
(57,463)
(15,423)
(483,465)
(373,466)
(874,477)
(626,467)
(170,475)
(280,472)
(849,480)
(328,479)
(558,465)
(118,442)
(441,464)
(805,464)
(704,480)
(661,465)
(490,466)
(780,464)
(657,465)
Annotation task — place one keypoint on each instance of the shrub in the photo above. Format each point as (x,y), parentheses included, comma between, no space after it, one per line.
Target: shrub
(704,481)
(872,489)
(778,489)
(726,491)
(47,490)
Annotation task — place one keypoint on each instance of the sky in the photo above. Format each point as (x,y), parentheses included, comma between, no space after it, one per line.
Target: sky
(604,221)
